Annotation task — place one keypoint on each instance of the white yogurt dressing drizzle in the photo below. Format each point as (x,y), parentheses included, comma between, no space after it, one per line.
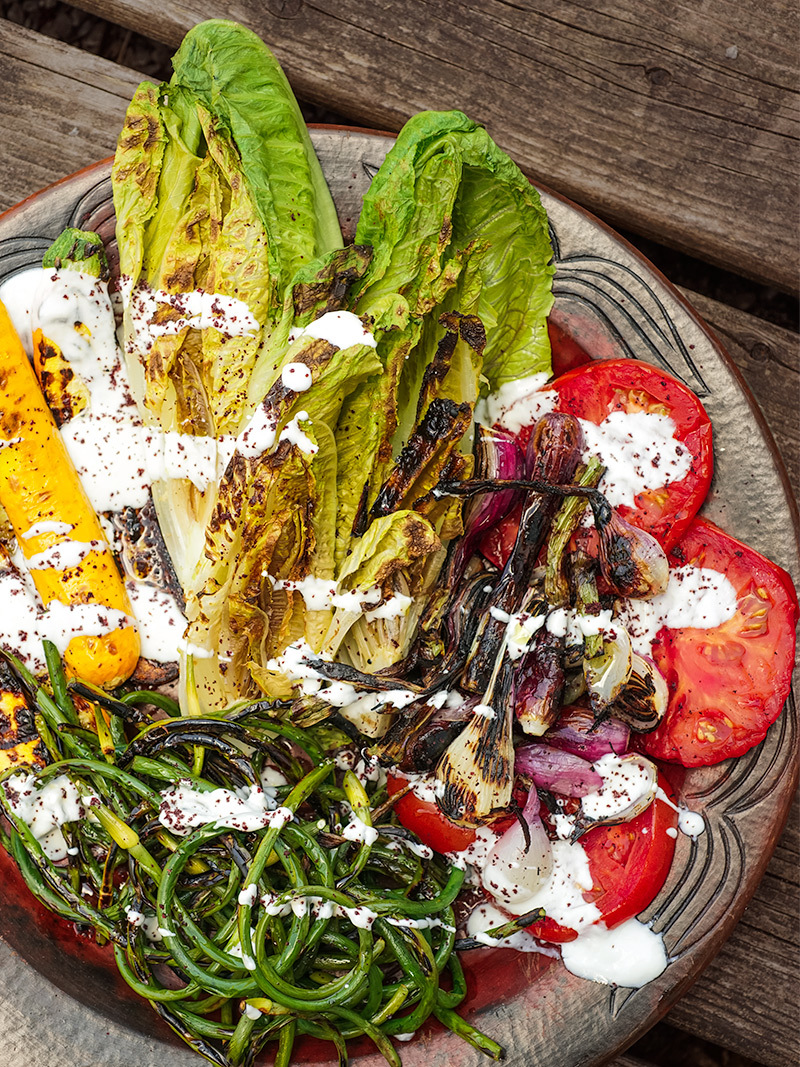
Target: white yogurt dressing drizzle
(64,555)
(159,620)
(694,597)
(690,823)
(320,594)
(627,780)
(251,808)
(297,377)
(340,328)
(630,954)
(45,809)
(19,293)
(639,449)
(155,313)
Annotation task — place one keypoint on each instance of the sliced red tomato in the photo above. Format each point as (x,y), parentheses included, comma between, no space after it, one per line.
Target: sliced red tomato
(594,391)
(630,862)
(548,929)
(424,819)
(727,685)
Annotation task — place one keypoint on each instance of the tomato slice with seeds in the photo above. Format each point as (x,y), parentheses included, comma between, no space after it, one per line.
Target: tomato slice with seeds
(629,862)
(727,685)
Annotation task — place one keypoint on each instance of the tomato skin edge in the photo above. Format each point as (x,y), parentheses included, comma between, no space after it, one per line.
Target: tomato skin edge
(753,670)
(652,850)
(592,392)
(424,819)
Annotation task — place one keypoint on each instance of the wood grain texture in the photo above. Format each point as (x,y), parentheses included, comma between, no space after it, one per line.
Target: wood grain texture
(675,119)
(60,109)
(769,359)
(748,998)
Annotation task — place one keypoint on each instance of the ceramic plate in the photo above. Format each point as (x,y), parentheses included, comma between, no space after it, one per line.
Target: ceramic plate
(614,302)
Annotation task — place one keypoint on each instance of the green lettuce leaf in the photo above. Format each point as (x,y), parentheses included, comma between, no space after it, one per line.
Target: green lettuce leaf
(217,188)
(228,68)
(445,199)
(384,558)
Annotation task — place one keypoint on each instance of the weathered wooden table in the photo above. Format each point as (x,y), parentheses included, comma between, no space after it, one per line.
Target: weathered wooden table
(678,122)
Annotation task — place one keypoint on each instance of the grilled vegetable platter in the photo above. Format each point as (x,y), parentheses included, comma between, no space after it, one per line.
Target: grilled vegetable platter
(355,618)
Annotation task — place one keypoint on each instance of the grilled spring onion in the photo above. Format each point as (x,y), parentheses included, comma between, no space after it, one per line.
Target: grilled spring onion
(302,927)
(643,702)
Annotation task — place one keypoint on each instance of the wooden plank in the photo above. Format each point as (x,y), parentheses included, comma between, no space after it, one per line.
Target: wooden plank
(748,999)
(60,110)
(676,120)
(769,359)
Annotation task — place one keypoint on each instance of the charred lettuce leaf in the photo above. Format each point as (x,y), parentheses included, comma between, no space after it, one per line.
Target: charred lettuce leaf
(228,69)
(274,520)
(217,191)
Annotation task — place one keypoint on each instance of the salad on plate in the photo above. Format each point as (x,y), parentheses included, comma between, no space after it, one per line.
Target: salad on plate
(354,617)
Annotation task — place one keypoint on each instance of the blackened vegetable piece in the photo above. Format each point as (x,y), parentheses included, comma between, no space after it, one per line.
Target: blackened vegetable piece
(443,426)
(554,453)
(631,560)
(19,738)
(539,683)
(477,768)
(643,702)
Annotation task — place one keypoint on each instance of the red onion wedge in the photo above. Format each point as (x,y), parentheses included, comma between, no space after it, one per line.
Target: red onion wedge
(576,732)
(557,771)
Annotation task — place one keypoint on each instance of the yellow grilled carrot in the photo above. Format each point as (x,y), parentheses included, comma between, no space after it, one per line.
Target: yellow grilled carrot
(19,741)
(56,527)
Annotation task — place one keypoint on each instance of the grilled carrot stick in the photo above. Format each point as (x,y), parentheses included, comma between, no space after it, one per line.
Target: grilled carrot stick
(49,510)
